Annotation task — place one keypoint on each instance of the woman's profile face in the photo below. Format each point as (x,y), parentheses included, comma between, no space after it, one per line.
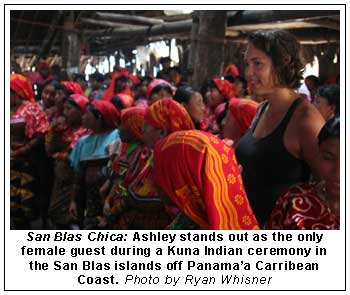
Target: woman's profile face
(259,71)
(195,107)
(215,97)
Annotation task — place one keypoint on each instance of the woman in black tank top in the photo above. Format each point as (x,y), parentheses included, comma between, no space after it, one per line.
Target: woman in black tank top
(280,145)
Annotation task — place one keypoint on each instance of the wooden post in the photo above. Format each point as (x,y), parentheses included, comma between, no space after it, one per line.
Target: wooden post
(70,46)
(209,55)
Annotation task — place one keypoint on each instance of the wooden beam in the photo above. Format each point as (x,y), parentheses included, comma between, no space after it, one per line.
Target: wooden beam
(128,19)
(248,17)
(165,28)
(108,24)
(326,23)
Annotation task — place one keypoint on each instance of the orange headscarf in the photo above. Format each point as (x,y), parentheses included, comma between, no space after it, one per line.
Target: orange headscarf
(126,100)
(170,115)
(199,173)
(226,88)
(243,112)
(133,119)
(22,86)
(109,92)
(73,87)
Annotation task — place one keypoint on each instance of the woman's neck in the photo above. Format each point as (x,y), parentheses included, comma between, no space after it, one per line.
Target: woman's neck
(281,98)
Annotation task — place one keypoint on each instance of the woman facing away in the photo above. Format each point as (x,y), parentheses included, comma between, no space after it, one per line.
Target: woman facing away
(279,149)
(314,206)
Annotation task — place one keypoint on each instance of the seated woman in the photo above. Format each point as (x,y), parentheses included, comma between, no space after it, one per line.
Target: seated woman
(119,84)
(59,144)
(314,206)
(158,89)
(238,119)
(193,103)
(327,101)
(199,173)
(219,91)
(88,156)
(29,124)
(133,202)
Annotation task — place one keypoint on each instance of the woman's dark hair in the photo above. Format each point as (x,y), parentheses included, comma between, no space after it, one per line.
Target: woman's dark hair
(222,115)
(244,82)
(285,52)
(161,86)
(146,79)
(97,114)
(64,89)
(117,102)
(118,87)
(212,85)
(330,130)
(73,103)
(229,78)
(332,94)
(183,94)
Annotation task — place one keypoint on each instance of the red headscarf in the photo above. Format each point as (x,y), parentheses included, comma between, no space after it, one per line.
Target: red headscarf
(80,100)
(133,119)
(23,88)
(108,111)
(154,83)
(109,92)
(200,174)
(225,88)
(73,87)
(243,112)
(231,70)
(126,99)
(170,115)
(135,80)
(43,65)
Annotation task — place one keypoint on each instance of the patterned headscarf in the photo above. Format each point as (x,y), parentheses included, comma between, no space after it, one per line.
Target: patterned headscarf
(72,87)
(108,111)
(170,115)
(22,86)
(133,119)
(153,84)
(243,112)
(200,174)
(227,90)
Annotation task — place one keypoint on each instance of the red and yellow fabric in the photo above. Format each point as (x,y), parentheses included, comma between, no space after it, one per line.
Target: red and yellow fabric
(133,119)
(227,90)
(22,86)
(301,208)
(35,118)
(200,174)
(109,92)
(73,87)
(232,70)
(154,83)
(108,111)
(243,112)
(170,115)
(126,99)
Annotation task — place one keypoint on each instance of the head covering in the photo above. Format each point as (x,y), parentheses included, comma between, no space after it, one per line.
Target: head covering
(80,100)
(243,112)
(119,69)
(72,87)
(153,84)
(231,70)
(200,174)
(109,92)
(108,111)
(226,88)
(23,88)
(170,115)
(135,80)
(133,119)
(126,99)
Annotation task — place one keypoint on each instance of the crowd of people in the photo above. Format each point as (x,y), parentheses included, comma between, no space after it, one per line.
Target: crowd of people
(120,151)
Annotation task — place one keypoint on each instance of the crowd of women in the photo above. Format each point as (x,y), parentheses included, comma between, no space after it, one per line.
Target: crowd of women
(133,152)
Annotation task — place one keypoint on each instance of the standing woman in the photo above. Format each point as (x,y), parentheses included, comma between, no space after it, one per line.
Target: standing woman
(58,146)
(276,151)
(28,127)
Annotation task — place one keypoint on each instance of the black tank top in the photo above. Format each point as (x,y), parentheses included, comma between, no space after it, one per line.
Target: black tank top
(268,168)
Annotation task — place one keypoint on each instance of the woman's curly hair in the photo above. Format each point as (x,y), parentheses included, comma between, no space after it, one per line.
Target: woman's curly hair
(285,51)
